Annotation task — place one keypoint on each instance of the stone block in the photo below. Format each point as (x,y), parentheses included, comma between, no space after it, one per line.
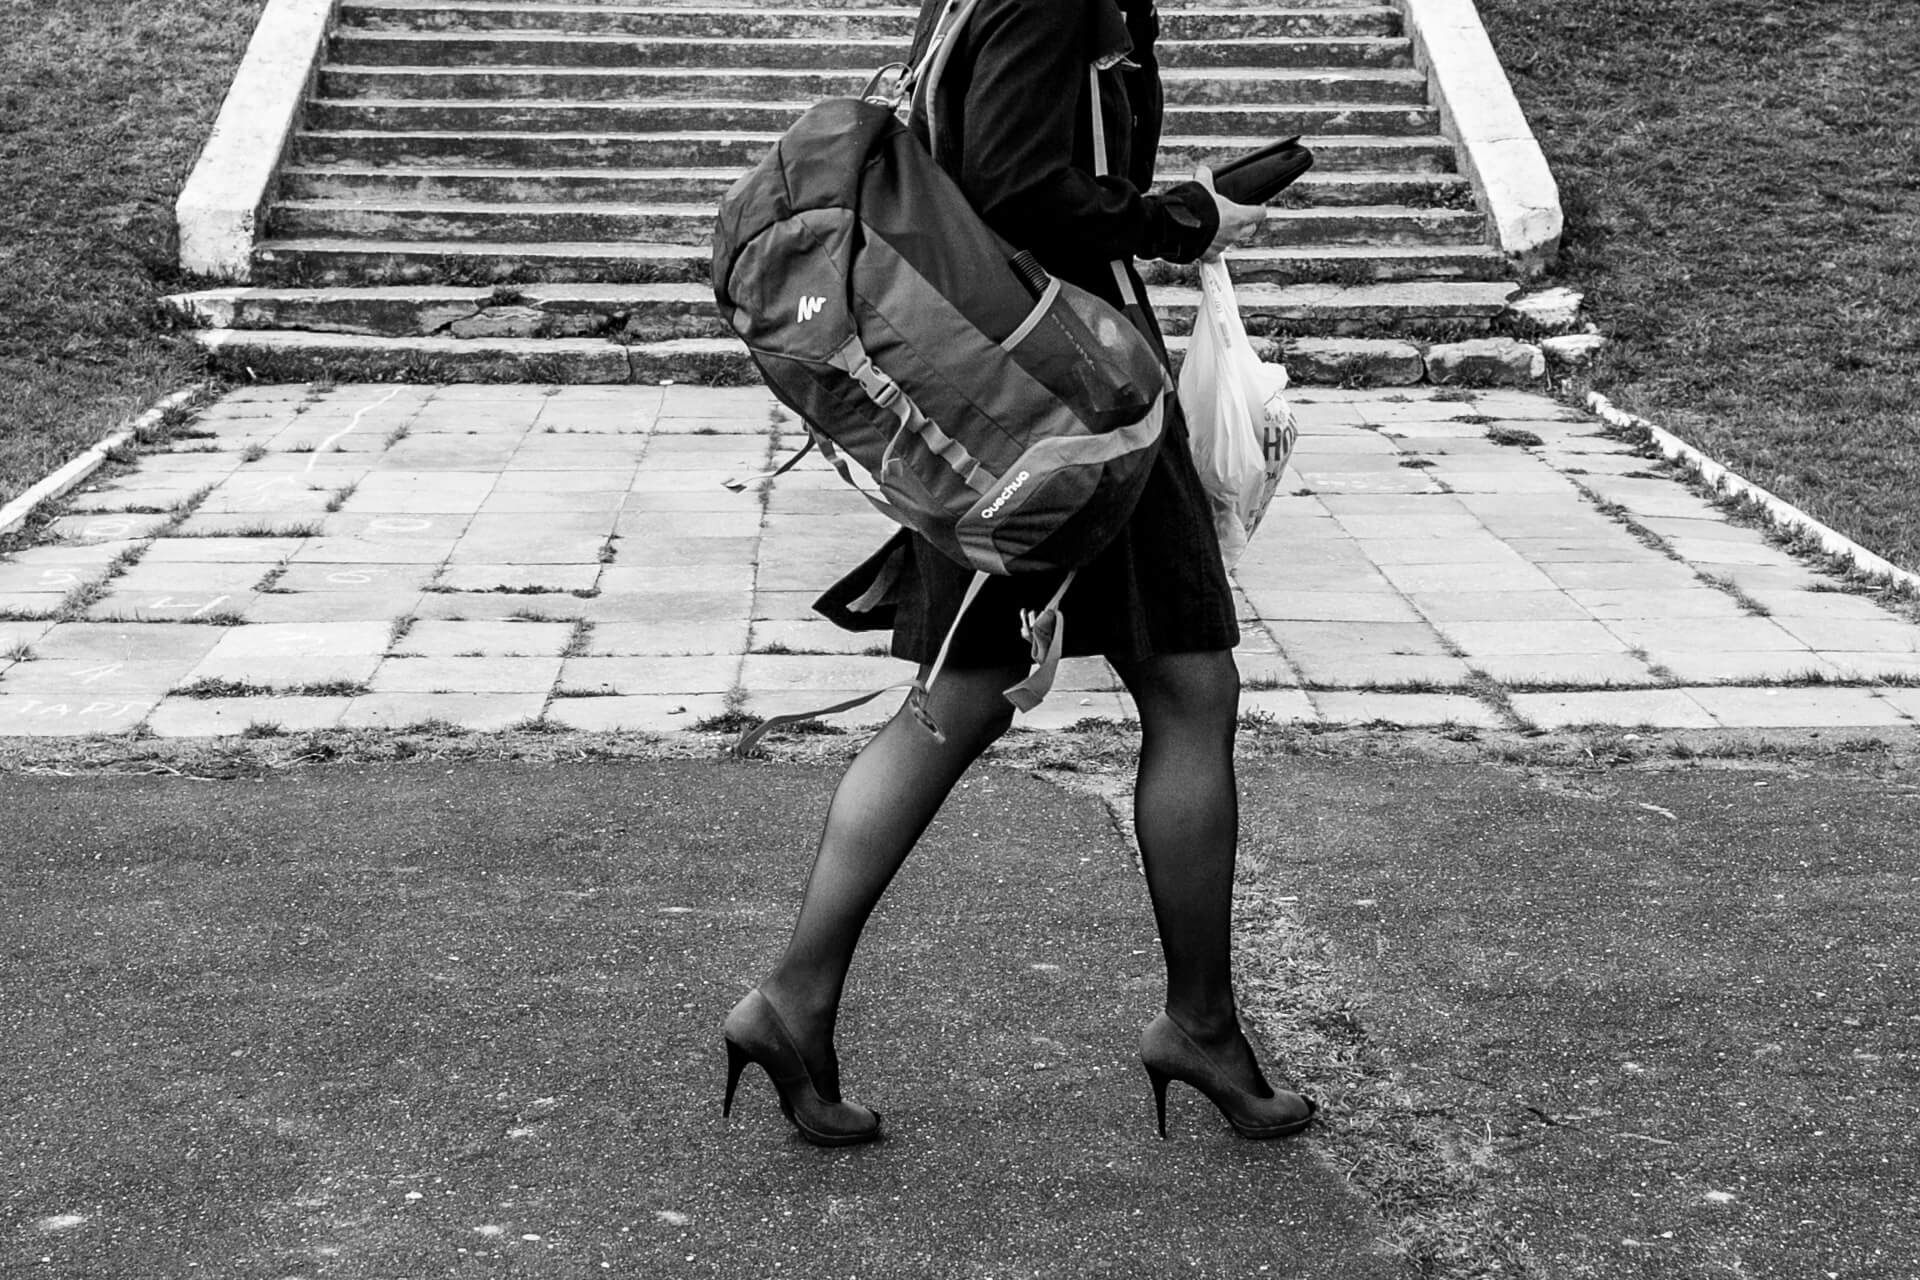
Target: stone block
(1554,310)
(1375,362)
(1572,350)
(1497,362)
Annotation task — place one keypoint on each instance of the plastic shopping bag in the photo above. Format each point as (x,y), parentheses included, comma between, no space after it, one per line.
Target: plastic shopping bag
(1235,404)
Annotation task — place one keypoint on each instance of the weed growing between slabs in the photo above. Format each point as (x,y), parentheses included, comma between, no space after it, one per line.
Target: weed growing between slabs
(1742,216)
(106,107)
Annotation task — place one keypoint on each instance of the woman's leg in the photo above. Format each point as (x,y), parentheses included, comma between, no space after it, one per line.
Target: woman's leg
(1186,807)
(888,796)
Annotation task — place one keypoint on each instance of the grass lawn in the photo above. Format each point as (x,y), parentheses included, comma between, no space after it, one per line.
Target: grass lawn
(1742,188)
(103,108)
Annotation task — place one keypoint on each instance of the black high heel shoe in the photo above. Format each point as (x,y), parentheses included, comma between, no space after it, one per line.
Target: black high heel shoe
(1169,1053)
(754,1032)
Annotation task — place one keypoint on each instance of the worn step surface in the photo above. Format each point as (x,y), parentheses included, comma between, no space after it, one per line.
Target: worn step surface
(347,261)
(568,49)
(509,184)
(657,312)
(692,223)
(1182,86)
(739,149)
(789,21)
(773,117)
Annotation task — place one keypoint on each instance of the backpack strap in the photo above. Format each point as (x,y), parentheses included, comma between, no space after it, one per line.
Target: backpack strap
(739,484)
(1046,631)
(1121,276)
(917,689)
(852,358)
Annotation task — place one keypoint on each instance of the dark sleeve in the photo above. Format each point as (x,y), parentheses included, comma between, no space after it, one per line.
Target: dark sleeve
(1023,107)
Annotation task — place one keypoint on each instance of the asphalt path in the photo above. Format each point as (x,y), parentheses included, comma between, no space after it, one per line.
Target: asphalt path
(1679,1004)
(406,1020)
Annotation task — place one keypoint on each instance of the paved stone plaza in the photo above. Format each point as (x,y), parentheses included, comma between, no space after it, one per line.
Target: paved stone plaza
(367,556)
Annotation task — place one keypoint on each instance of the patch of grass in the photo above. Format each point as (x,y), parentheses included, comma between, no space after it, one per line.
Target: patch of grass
(106,107)
(1788,350)
(265,529)
(579,640)
(1514,437)
(18,651)
(215,687)
(338,498)
(730,721)
(1720,582)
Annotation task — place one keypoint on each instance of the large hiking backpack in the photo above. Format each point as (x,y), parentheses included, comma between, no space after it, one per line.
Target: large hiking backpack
(1009,418)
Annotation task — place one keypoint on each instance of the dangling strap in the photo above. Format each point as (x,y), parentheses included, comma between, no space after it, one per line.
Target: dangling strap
(1120,275)
(751,738)
(1046,632)
(740,483)
(917,690)
(940,659)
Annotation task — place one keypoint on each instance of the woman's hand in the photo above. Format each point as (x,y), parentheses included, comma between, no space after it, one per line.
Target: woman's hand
(1237,221)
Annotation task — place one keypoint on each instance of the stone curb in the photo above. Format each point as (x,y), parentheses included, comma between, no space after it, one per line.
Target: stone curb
(222,206)
(1479,112)
(1780,512)
(59,482)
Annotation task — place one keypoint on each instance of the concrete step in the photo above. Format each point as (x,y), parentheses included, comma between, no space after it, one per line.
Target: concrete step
(692,224)
(1192,86)
(660,312)
(531,49)
(300,356)
(773,21)
(708,149)
(655,186)
(346,262)
(1321,120)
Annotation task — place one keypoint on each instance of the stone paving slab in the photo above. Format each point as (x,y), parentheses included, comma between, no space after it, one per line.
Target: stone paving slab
(485,556)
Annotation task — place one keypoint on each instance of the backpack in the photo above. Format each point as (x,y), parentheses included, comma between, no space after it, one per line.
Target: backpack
(1008,417)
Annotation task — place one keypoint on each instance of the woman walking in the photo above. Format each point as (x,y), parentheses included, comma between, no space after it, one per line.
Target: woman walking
(1013,116)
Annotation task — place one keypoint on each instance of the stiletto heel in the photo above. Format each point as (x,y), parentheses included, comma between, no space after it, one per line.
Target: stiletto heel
(737,1059)
(754,1032)
(1158,1079)
(1169,1053)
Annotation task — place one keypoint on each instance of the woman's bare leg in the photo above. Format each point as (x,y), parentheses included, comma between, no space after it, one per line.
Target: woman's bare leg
(889,794)
(1186,806)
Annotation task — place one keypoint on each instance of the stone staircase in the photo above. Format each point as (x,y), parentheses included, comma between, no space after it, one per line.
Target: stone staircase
(502,190)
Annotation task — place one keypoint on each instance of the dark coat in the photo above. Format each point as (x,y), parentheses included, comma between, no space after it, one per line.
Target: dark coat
(1014,131)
